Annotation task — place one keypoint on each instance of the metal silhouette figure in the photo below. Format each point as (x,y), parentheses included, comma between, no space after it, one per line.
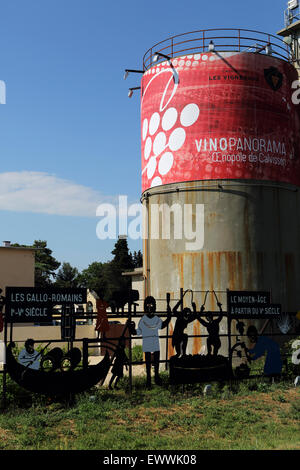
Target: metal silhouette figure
(55,383)
(29,357)
(148,327)
(179,338)
(120,361)
(213,328)
(262,345)
(240,326)
(102,324)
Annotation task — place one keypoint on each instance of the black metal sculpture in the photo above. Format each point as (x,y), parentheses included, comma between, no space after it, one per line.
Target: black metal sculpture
(52,360)
(120,361)
(122,297)
(180,339)
(148,328)
(55,383)
(198,368)
(28,357)
(264,345)
(70,360)
(212,325)
(60,375)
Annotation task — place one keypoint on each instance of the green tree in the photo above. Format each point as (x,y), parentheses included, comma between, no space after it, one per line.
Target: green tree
(93,278)
(137,258)
(122,256)
(121,262)
(67,276)
(45,263)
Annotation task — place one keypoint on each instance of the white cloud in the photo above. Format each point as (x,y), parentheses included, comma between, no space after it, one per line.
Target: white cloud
(30,191)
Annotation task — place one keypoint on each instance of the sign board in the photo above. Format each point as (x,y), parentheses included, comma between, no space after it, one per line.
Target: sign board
(33,304)
(223,115)
(251,304)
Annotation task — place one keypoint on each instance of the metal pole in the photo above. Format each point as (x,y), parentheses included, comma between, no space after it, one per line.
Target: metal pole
(130,350)
(167,339)
(167,344)
(181,297)
(4,389)
(229,332)
(11,332)
(85,353)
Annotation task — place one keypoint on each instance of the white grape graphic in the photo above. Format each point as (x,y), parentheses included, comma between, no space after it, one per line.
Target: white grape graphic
(164,132)
(158,150)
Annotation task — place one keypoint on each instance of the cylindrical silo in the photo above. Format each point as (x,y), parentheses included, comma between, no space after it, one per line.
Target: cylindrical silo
(220,140)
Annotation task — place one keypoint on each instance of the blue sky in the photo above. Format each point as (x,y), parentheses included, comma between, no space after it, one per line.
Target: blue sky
(69,135)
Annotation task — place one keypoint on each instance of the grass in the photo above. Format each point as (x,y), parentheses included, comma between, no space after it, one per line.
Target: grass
(246,415)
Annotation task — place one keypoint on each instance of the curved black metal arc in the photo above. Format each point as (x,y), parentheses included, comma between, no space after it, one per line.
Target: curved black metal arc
(236,345)
(205,297)
(216,297)
(73,357)
(54,356)
(189,290)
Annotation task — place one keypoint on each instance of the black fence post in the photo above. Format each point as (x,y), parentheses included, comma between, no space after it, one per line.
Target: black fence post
(4,385)
(85,353)
(130,350)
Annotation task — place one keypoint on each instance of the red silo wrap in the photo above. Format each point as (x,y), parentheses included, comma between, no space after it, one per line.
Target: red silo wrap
(219,116)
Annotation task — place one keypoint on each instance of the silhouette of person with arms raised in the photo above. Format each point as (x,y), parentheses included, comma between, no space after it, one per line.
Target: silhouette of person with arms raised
(148,327)
(120,361)
(264,345)
(212,325)
(179,338)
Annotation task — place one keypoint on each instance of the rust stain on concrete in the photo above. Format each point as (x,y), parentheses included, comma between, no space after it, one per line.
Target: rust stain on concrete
(178,262)
(218,270)
(171,351)
(197,341)
(202,271)
(240,271)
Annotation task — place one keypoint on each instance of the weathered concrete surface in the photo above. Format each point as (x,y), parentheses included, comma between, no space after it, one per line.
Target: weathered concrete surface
(251,242)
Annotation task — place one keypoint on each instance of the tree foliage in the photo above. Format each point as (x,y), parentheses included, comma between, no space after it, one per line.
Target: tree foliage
(93,278)
(67,276)
(103,278)
(45,263)
(137,258)
(122,261)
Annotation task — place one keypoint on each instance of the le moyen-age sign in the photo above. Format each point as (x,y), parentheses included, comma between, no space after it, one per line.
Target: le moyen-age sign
(251,304)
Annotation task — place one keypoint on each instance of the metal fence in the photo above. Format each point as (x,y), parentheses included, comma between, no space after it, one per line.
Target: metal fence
(231,338)
(224,40)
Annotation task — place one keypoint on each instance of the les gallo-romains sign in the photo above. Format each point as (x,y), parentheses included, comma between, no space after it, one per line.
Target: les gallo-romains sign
(32,304)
